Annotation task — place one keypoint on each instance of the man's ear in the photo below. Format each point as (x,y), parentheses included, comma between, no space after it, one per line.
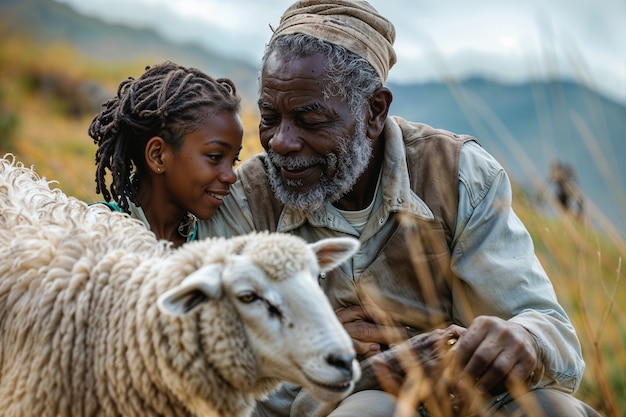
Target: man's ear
(379,105)
(154,153)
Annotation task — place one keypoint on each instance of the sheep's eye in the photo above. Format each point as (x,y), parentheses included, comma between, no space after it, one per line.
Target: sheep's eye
(248,297)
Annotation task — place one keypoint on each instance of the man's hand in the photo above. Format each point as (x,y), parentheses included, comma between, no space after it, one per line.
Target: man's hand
(425,354)
(494,355)
(455,369)
(370,329)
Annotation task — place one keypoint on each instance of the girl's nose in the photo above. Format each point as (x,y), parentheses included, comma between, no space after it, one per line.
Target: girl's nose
(228,174)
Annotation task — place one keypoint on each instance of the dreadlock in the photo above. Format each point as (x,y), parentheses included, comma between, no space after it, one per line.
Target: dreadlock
(169,101)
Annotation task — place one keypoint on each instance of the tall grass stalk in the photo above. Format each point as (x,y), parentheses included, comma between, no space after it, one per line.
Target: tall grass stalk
(583,258)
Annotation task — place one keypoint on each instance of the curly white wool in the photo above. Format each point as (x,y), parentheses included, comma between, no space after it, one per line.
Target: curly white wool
(98,318)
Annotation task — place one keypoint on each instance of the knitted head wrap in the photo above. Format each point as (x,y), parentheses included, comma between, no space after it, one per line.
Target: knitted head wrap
(353,24)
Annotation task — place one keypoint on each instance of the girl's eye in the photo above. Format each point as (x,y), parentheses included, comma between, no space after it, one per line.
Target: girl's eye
(215,157)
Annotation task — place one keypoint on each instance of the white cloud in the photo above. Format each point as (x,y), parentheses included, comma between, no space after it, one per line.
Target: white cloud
(578,39)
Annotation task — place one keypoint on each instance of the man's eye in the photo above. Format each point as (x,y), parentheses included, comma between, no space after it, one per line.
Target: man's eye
(312,123)
(267,121)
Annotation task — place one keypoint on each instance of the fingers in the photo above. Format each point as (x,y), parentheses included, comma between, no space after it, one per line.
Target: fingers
(365,336)
(366,349)
(389,376)
(494,353)
(454,331)
(370,338)
(351,313)
(365,312)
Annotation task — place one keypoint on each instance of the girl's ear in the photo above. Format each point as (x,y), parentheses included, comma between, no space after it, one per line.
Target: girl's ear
(154,153)
(379,105)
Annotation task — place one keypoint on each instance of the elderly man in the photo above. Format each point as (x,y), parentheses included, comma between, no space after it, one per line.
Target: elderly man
(443,258)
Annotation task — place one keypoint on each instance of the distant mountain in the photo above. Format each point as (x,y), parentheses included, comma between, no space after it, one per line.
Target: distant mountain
(526,126)
(49,21)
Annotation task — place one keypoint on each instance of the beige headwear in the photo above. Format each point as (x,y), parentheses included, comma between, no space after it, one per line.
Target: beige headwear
(353,24)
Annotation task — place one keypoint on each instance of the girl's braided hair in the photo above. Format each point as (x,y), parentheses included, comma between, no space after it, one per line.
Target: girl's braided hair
(169,101)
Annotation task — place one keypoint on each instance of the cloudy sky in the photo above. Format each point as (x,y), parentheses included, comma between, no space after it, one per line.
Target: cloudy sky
(584,40)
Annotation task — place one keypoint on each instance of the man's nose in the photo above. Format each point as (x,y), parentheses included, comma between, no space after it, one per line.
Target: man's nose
(286,139)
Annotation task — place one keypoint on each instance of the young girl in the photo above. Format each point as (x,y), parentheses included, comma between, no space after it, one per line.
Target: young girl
(170,139)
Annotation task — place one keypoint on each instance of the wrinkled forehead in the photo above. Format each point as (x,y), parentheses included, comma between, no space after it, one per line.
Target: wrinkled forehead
(280,65)
(295,84)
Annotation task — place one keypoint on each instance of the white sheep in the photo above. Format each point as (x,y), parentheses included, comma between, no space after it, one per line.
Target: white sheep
(98,318)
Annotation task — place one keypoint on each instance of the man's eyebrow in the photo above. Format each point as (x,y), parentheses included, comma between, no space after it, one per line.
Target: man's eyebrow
(302,109)
(311,107)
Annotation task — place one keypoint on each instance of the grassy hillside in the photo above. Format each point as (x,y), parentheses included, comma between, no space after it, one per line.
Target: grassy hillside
(46,106)
(50,21)
(45,126)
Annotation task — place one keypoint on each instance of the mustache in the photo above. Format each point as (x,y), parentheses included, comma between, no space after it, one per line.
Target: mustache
(298,162)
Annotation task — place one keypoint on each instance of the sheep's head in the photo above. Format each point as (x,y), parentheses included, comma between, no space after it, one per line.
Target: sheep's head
(292,332)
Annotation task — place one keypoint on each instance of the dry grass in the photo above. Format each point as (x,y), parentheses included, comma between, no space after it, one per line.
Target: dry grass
(584,263)
(585,266)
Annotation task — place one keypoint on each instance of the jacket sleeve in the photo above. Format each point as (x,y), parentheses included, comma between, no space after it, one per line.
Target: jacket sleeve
(494,259)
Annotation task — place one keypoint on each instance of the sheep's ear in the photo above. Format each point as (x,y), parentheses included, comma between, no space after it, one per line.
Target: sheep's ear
(332,252)
(200,286)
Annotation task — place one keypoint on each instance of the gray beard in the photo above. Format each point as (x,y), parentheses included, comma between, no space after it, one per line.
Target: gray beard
(352,160)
